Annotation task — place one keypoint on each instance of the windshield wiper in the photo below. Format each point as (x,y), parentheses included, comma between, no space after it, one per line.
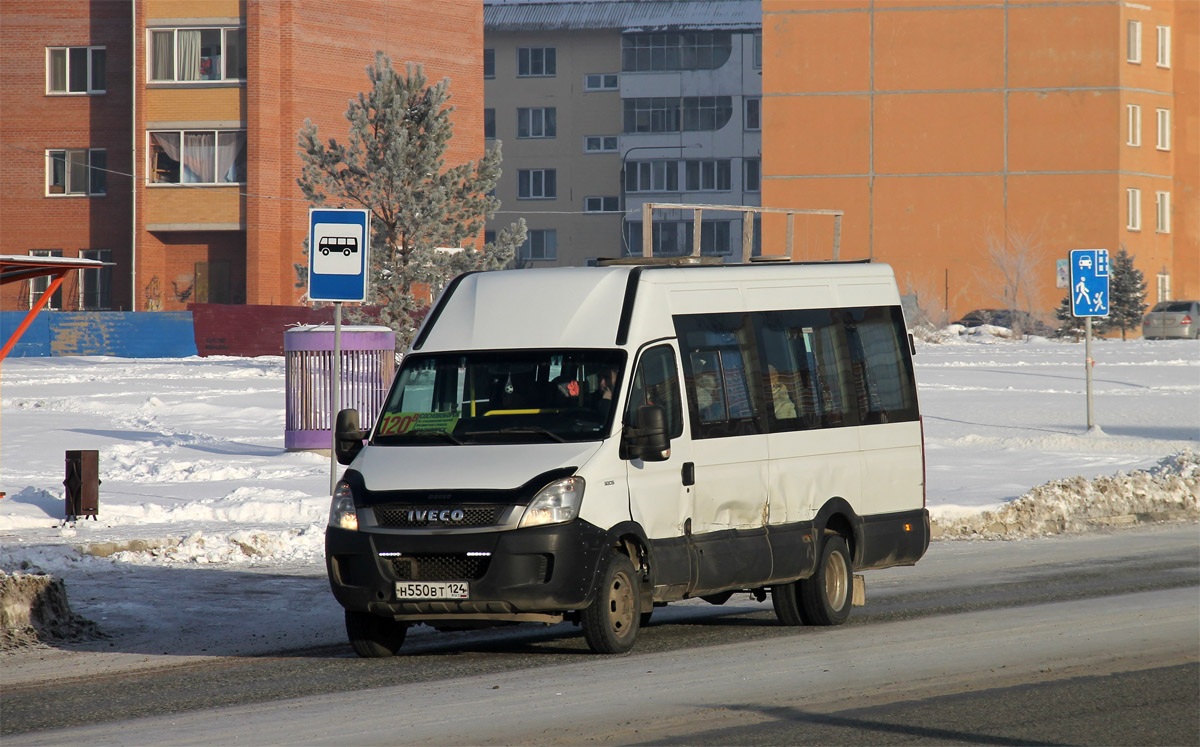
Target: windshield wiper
(522,429)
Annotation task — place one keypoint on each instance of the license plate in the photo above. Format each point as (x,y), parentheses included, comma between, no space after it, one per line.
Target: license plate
(433,590)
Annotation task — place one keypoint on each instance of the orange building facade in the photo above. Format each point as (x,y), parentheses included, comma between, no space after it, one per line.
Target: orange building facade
(966,139)
(161,135)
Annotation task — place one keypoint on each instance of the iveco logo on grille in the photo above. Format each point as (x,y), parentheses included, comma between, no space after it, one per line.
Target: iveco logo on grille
(445,514)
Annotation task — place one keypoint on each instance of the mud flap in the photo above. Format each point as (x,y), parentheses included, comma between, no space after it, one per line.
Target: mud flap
(859,596)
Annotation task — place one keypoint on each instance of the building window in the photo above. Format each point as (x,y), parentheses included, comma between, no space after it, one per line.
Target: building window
(489,63)
(752,179)
(1163,56)
(540,244)
(687,114)
(95,284)
(703,50)
(1163,288)
(1133,209)
(601,205)
(753,113)
(600,82)
(600,144)
(537,184)
(1134,127)
(76,171)
(489,123)
(1162,210)
(198,157)
(1133,42)
(536,122)
(675,238)
(1164,129)
(535,62)
(707,175)
(75,69)
(197,55)
(757,52)
(39,285)
(652,176)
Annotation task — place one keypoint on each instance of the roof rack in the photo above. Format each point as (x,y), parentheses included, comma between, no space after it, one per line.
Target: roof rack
(747,230)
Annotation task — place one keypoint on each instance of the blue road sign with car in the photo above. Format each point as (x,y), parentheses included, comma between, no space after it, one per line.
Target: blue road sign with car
(1089,282)
(338,254)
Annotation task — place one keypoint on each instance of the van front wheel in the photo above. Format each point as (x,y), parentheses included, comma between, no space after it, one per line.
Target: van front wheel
(611,622)
(372,636)
(826,596)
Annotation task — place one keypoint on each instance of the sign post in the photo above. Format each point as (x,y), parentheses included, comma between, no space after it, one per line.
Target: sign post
(339,249)
(1089,298)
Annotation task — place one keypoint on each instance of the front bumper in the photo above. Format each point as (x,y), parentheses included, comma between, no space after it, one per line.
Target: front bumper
(545,570)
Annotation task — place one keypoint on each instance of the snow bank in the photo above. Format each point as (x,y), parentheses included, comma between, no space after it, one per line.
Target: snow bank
(1168,491)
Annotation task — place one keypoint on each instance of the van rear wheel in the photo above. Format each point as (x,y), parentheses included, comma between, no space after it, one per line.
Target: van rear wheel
(372,636)
(826,596)
(785,598)
(611,622)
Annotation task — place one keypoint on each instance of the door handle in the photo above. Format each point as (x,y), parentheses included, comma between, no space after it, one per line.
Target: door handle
(688,473)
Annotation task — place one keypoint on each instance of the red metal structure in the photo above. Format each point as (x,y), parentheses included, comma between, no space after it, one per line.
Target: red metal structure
(16,268)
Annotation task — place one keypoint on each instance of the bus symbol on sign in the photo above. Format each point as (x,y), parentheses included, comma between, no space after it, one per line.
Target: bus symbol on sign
(346,245)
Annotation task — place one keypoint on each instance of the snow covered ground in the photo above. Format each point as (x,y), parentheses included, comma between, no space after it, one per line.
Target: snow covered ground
(192,463)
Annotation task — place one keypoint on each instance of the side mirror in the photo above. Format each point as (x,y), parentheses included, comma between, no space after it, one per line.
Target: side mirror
(348,437)
(912,344)
(649,441)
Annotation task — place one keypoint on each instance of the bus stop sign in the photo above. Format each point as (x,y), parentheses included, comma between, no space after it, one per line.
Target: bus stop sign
(339,243)
(1089,282)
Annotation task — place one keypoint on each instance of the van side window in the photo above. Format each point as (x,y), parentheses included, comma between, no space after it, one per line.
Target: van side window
(656,382)
(808,372)
(720,368)
(837,366)
(881,367)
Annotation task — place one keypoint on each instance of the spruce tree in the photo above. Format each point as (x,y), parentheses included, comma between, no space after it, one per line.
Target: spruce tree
(1126,294)
(393,163)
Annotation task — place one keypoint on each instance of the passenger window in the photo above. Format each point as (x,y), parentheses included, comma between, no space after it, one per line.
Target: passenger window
(881,367)
(656,382)
(719,373)
(808,378)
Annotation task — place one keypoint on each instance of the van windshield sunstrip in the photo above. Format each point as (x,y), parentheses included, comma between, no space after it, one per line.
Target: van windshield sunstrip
(501,397)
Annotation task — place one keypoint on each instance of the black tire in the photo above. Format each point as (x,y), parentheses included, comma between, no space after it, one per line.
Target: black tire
(785,598)
(611,622)
(372,636)
(826,596)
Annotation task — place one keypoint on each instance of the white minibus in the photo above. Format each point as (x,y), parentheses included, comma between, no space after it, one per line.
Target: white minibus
(588,443)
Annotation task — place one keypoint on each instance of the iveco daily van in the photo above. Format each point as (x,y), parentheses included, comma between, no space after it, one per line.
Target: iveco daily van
(587,443)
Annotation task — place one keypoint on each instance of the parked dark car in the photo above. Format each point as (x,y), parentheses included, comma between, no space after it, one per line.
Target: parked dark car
(1028,323)
(1173,319)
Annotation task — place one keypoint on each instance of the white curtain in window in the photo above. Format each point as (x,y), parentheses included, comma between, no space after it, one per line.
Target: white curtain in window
(231,157)
(189,54)
(164,56)
(168,144)
(58,69)
(199,157)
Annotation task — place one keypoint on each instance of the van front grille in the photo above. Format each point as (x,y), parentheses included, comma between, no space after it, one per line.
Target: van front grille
(406,516)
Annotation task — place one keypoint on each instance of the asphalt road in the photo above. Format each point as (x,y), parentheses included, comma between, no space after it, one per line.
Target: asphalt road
(1087,640)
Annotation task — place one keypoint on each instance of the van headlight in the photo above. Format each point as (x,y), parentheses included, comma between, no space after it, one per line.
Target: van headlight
(557,503)
(342,513)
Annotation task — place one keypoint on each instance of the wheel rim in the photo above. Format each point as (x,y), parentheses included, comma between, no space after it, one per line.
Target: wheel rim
(621,605)
(835,580)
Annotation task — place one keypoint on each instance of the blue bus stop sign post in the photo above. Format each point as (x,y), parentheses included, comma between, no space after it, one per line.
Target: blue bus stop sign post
(1089,298)
(339,258)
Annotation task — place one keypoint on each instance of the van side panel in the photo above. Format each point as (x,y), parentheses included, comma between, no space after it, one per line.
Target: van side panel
(890,461)
(810,467)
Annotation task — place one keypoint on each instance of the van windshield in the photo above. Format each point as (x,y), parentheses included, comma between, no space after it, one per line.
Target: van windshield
(511,396)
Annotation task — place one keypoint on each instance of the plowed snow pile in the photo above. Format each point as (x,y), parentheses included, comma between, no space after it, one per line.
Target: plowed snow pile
(1168,491)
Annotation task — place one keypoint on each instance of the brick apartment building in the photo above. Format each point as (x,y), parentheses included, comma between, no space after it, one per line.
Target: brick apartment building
(160,135)
(941,127)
